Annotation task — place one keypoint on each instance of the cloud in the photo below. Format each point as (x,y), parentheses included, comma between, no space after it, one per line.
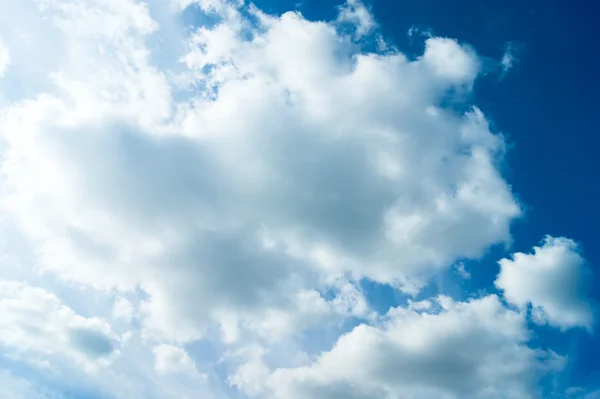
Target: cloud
(462,271)
(14,387)
(450,60)
(358,15)
(4,58)
(123,309)
(33,320)
(171,359)
(475,349)
(340,160)
(554,279)
(509,59)
(239,192)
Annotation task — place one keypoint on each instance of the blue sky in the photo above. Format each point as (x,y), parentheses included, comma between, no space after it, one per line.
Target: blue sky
(282,200)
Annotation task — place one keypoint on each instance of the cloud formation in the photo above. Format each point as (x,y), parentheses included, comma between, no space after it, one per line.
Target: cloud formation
(438,349)
(171,359)
(34,320)
(4,58)
(232,184)
(554,279)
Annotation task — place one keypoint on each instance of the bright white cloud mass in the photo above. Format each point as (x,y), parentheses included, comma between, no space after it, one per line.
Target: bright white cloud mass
(206,202)
(554,279)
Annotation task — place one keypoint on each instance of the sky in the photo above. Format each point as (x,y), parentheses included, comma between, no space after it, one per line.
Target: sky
(298,199)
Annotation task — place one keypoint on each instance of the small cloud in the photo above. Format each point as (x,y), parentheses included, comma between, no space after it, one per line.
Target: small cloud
(416,31)
(171,359)
(382,45)
(123,309)
(462,272)
(92,343)
(507,61)
(509,58)
(451,61)
(553,279)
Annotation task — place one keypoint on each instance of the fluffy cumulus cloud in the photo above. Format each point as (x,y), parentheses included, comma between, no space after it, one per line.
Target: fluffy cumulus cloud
(300,161)
(438,349)
(236,182)
(554,279)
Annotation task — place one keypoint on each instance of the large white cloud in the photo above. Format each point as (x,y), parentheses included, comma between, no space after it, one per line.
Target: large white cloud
(299,161)
(244,187)
(554,279)
(438,349)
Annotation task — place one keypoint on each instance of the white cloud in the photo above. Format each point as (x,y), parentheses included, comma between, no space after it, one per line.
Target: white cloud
(309,308)
(242,191)
(171,359)
(451,60)
(358,15)
(339,157)
(123,309)
(4,58)
(33,320)
(509,58)
(475,349)
(507,61)
(462,271)
(554,279)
